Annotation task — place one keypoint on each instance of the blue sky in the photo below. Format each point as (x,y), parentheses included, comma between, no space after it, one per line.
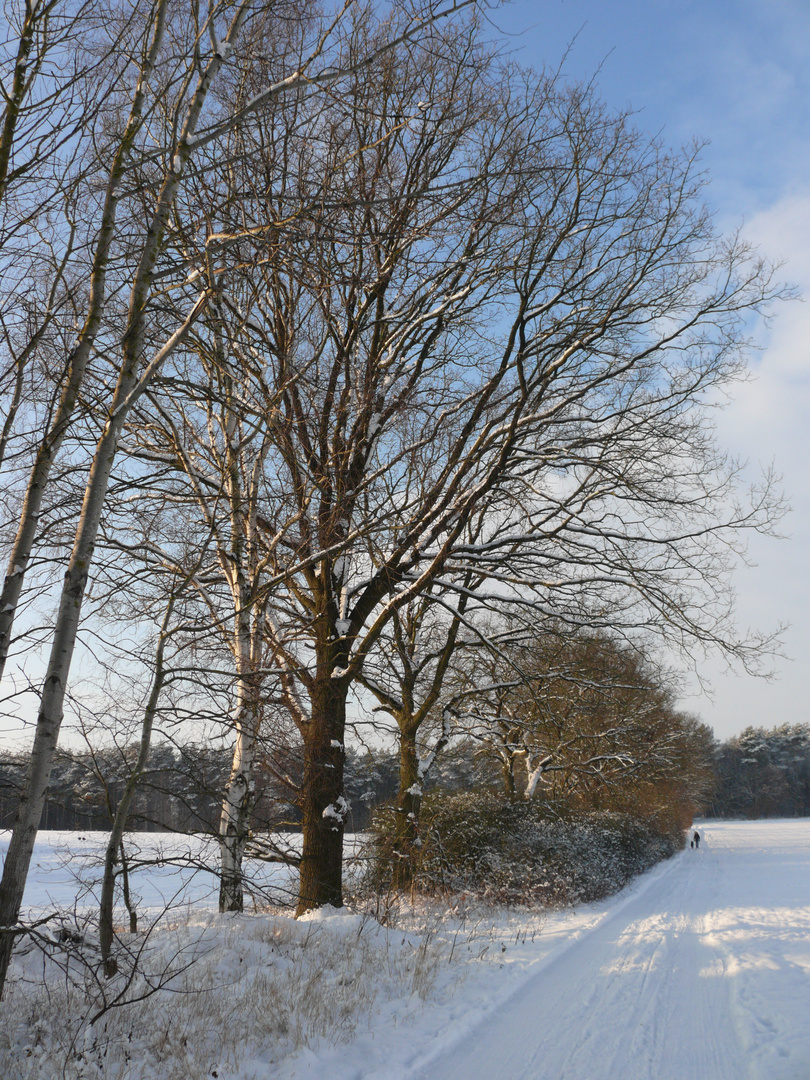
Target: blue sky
(735,74)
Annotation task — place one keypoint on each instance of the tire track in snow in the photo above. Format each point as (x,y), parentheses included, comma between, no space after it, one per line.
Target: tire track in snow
(764,944)
(643,996)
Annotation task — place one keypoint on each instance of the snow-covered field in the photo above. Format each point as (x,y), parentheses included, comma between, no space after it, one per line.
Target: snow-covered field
(700,970)
(168,871)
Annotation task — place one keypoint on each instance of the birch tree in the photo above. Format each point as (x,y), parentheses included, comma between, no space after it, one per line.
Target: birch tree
(211,443)
(51,55)
(130,382)
(171,57)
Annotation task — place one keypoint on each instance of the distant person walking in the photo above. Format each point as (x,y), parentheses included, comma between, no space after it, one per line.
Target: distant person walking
(696,839)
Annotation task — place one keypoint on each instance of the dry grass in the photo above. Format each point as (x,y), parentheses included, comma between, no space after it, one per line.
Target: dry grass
(234,990)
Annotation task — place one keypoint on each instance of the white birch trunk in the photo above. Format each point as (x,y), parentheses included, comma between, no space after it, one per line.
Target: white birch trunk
(535,772)
(78,359)
(237,804)
(236,810)
(127,391)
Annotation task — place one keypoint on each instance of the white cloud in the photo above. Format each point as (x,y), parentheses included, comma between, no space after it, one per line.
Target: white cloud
(769,419)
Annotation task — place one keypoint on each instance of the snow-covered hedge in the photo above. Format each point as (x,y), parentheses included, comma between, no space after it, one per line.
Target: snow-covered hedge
(526,852)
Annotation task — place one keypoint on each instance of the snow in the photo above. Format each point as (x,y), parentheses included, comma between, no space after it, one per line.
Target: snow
(177,871)
(337,811)
(700,970)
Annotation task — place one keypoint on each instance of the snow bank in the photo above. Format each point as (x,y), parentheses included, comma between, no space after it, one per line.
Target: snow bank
(213,996)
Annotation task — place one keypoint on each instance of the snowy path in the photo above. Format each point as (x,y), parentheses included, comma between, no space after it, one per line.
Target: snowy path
(704,974)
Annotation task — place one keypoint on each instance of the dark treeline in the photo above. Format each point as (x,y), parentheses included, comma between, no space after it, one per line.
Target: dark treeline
(763,773)
(182,790)
(759,773)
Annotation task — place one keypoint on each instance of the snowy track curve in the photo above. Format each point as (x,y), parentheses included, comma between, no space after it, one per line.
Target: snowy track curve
(704,974)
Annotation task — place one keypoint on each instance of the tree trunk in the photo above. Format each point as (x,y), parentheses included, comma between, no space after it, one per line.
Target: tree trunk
(323,804)
(79,357)
(237,807)
(128,902)
(508,772)
(132,380)
(115,843)
(19,90)
(49,720)
(409,799)
(240,794)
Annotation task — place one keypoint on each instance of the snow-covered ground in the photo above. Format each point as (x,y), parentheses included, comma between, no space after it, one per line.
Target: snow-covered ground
(167,871)
(700,970)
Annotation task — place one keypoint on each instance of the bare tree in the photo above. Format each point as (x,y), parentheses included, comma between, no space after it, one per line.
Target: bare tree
(176,55)
(406,675)
(486,312)
(365,201)
(458,320)
(115,852)
(206,449)
(53,65)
